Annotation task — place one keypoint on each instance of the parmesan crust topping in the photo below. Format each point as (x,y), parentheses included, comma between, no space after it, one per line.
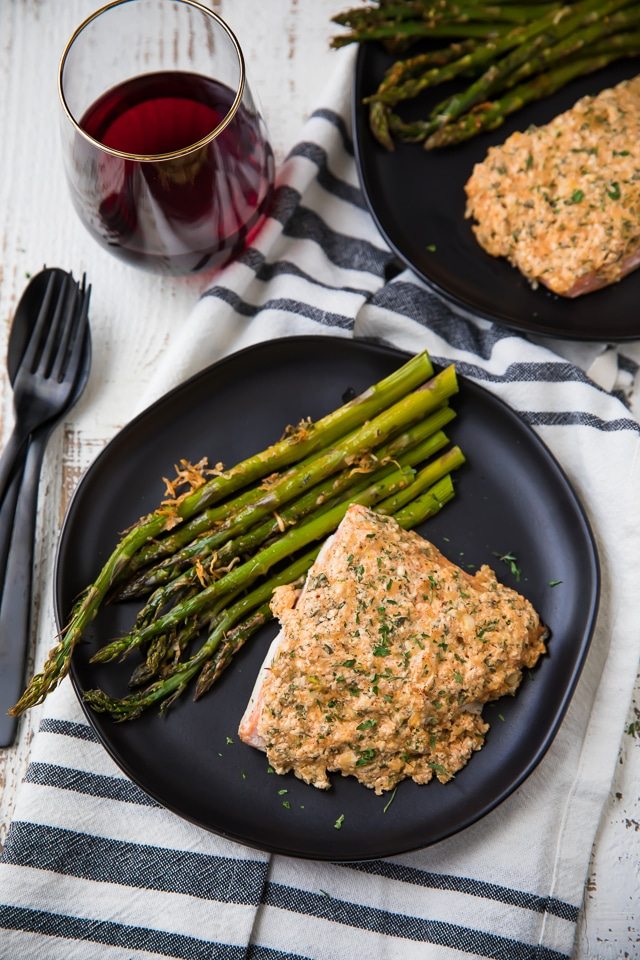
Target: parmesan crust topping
(562,201)
(385,658)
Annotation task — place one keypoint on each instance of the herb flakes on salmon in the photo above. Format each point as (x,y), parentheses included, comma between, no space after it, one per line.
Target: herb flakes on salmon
(562,202)
(385,658)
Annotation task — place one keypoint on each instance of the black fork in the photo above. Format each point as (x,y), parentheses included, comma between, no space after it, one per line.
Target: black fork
(45,380)
(18,510)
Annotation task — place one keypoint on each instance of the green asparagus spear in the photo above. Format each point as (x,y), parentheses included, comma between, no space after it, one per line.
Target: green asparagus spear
(285,489)
(549,29)
(418,443)
(233,550)
(211,519)
(411,515)
(247,573)
(493,114)
(387,490)
(595,38)
(233,641)
(359,18)
(517,45)
(601,36)
(416,29)
(167,689)
(412,67)
(290,449)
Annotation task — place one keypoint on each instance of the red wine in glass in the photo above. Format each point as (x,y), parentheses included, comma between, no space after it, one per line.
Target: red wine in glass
(175,214)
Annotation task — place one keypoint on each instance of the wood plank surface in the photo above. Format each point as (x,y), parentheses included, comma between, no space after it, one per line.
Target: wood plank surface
(134,315)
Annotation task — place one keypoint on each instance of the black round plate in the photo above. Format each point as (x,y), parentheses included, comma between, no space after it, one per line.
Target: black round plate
(417,199)
(511,497)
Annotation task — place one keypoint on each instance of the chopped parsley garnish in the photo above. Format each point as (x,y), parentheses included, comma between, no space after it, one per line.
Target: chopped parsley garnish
(381,651)
(281,793)
(229,740)
(390,800)
(512,563)
(614,192)
(554,583)
(438,768)
(431,247)
(576,197)
(367,724)
(338,824)
(286,804)
(487,628)
(270,770)
(366,756)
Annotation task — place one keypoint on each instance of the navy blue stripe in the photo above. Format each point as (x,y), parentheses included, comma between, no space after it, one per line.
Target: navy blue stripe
(628,364)
(529,372)
(266,271)
(541,418)
(81,731)
(404,926)
(120,935)
(424,307)
(409,300)
(532,371)
(546,372)
(302,223)
(256,952)
(475,888)
(345,251)
(92,784)
(280,303)
(622,397)
(328,180)
(105,860)
(340,125)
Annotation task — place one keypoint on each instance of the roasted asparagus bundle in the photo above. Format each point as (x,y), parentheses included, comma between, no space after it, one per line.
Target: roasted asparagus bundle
(204,564)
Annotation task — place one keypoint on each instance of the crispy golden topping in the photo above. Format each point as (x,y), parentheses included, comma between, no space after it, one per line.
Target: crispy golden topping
(190,476)
(562,201)
(386,657)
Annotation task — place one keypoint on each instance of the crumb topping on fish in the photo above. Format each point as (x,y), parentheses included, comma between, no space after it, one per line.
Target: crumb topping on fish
(385,658)
(562,201)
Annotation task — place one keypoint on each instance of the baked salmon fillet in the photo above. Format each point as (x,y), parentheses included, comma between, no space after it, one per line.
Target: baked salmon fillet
(562,201)
(384,659)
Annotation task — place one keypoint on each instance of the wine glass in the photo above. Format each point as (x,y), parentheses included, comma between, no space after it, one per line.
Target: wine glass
(166,154)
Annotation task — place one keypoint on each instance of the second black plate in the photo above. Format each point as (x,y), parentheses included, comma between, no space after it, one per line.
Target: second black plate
(511,497)
(417,199)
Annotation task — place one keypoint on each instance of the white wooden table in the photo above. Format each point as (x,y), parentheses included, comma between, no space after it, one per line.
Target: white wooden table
(133,318)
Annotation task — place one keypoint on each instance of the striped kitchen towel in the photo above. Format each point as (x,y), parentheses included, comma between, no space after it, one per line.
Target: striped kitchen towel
(94,868)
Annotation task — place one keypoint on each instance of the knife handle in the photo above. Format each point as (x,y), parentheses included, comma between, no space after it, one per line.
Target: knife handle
(15,603)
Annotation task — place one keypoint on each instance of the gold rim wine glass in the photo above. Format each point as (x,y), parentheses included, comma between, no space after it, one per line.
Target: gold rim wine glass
(166,153)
